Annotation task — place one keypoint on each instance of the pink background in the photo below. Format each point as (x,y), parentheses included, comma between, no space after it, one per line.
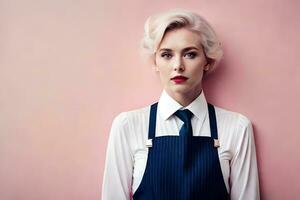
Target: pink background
(68,67)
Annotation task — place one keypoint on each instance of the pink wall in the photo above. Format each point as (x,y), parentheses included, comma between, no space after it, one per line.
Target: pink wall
(68,67)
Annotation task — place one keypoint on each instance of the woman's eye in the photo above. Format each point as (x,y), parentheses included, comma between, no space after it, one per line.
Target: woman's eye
(166,55)
(191,54)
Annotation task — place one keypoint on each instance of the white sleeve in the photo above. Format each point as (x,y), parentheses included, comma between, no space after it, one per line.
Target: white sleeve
(244,173)
(117,177)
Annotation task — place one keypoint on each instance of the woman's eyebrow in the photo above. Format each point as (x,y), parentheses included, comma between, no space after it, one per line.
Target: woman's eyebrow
(165,49)
(185,49)
(190,48)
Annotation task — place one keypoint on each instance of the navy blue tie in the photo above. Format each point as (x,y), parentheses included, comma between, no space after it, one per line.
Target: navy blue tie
(186,134)
(185,116)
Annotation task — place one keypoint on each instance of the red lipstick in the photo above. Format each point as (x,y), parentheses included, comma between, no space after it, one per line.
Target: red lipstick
(179,79)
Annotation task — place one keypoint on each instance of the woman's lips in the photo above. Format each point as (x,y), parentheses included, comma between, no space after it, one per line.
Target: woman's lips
(179,79)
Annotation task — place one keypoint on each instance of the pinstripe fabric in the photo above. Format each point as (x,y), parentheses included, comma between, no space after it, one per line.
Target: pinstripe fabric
(169,177)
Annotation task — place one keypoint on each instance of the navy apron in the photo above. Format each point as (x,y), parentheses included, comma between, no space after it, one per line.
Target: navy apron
(167,177)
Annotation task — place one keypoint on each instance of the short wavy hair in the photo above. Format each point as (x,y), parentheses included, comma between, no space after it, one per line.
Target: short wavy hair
(158,24)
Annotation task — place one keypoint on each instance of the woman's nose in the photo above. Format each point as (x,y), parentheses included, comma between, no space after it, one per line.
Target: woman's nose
(177,64)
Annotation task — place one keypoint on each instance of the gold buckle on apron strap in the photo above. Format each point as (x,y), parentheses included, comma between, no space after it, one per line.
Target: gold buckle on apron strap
(216,143)
(149,143)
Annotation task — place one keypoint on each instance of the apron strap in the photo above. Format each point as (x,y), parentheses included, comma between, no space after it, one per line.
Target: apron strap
(152,121)
(212,121)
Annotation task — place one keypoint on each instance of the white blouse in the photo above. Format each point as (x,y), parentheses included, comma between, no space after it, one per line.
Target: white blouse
(126,154)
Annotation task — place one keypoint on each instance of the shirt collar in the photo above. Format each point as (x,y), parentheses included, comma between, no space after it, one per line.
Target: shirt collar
(167,106)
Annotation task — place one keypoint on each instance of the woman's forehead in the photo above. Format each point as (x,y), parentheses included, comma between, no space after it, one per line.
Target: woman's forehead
(180,39)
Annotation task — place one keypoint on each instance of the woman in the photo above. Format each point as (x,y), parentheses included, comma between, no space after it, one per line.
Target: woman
(181,147)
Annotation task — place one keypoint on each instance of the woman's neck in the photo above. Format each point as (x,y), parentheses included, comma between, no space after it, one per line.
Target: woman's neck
(184,99)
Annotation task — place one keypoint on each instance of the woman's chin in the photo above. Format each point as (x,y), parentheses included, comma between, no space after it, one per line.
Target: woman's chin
(183,89)
(179,89)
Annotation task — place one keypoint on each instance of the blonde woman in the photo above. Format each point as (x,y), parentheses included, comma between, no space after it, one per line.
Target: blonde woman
(181,147)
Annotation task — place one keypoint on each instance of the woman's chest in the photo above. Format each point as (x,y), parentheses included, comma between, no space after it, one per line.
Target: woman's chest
(141,157)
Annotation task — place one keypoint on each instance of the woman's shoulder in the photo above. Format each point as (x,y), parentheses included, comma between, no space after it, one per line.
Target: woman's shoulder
(132,126)
(234,128)
(133,116)
(132,113)
(233,118)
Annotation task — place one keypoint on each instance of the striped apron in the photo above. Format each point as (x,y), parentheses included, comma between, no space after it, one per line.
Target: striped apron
(167,175)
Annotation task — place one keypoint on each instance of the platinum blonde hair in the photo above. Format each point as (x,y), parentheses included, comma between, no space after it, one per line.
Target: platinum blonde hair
(158,24)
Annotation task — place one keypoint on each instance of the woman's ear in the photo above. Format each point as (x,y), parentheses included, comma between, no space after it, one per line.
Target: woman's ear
(206,67)
(154,62)
(209,64)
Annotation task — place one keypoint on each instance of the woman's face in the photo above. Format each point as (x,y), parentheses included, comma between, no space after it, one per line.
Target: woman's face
(180,54)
